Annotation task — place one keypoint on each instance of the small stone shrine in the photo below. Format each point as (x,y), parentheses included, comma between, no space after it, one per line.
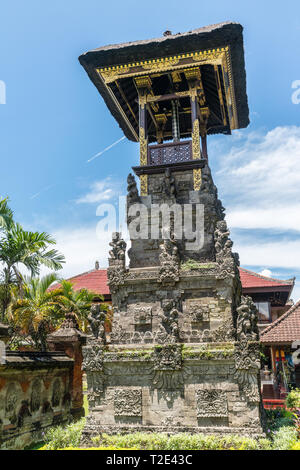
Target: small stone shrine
(183,353)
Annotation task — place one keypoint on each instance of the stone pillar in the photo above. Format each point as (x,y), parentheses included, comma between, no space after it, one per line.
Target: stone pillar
(70,340)
(3,340)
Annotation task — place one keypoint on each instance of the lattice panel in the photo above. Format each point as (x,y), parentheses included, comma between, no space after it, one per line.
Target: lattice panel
(173,153)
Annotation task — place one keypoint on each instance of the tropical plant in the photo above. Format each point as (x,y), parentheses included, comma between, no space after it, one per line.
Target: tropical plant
(6,214)
(30,249)
(37,310)
(78,302)
(293,399)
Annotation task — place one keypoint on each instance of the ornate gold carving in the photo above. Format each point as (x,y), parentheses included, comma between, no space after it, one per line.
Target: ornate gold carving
(176,77)
(108,73)
(143,100)
(192,73)
(161,118)
(196,141)
(159,65)
(197,179)
(143,147)
(143,82)
(176,64)
(144,185)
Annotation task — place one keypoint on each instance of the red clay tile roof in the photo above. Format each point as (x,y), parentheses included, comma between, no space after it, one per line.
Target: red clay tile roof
(250,279)
(285,329)
(94,280)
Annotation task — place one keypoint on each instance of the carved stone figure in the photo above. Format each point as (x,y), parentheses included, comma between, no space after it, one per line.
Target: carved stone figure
(36,394)
(23,413)
(168,357)
(118,247)
(169,262)
(143,315)
(222,242)
(247,329)
(56,393)
(169,185)
(133,194)
(96,319)
(198,313)
(11,399)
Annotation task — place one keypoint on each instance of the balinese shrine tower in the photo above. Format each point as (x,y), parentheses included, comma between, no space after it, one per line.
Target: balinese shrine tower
(183,354)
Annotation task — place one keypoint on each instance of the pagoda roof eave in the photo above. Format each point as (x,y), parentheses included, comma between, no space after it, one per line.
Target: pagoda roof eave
(208,38)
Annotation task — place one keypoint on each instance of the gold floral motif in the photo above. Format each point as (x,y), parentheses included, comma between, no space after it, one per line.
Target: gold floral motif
(144,185)
(197,179)
(160,65)
(143,147)
(196,140)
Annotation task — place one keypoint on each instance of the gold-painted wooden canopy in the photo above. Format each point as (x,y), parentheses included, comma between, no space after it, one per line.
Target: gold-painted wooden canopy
(207,63)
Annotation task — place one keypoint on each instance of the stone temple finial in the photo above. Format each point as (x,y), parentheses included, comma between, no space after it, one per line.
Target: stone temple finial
(97,265)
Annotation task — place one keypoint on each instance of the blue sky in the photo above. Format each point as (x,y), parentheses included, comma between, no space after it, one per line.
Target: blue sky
(54,121)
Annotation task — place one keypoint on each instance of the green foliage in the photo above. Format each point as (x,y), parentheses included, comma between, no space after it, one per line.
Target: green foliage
(285,438)
(68,437)
(78,302)
(21,247)
(33,312)
(182,441)
(278,418)
(6,214)
(61,437)
(293,399)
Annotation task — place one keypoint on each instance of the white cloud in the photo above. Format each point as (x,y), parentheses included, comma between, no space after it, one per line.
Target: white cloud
(99,191)
(81,248)
(272,217)
(260,179)
(274,254)
(266,273)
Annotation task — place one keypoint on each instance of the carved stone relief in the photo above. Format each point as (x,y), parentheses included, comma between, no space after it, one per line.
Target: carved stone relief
(128,402)
(211,404)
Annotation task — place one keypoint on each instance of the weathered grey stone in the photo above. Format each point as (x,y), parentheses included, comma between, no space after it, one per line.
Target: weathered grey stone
(183,354)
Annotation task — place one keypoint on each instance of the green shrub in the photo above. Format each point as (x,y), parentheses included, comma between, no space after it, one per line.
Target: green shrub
(293,399)
(181,441)
(60,437)
(285,438)
(279,417)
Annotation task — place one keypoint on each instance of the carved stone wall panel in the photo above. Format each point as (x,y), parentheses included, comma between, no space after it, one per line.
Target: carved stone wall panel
(211,404)
(128,402)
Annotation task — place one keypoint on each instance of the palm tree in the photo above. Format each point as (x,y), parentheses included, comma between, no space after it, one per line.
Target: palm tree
(30,249)
(78,302)
(37,310)
(6,214)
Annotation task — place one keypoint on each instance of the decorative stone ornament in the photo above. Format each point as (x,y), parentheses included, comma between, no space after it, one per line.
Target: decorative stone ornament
(128,402)
(212,404)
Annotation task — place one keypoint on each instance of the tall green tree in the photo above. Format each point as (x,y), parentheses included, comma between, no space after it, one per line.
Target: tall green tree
(21,247)
(37,310)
